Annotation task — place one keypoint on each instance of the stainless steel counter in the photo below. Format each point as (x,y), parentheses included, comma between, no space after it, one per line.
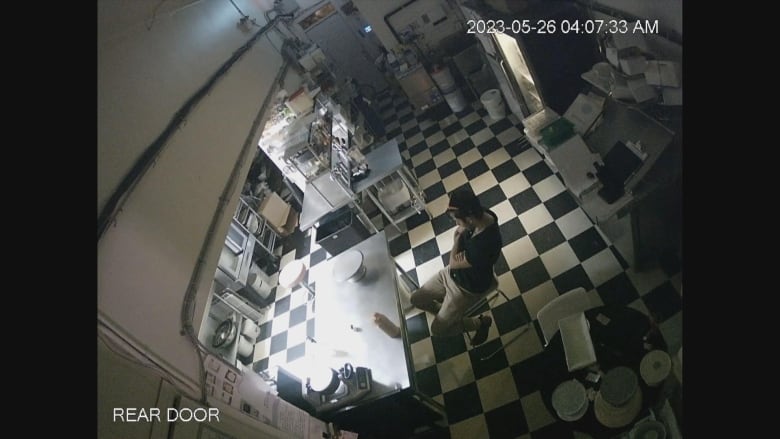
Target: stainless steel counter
(342,306)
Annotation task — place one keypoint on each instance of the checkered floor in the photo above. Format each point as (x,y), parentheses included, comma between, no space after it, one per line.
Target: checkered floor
(550,247)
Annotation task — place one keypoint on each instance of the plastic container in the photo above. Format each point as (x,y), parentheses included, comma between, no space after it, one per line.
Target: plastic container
(443,78)
(455,100)
(493,103)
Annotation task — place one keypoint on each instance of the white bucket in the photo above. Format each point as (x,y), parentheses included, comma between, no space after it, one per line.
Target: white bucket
(493,103)
(443,78)
(455,100)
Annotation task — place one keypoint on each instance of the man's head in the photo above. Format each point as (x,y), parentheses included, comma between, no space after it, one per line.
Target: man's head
(465,207)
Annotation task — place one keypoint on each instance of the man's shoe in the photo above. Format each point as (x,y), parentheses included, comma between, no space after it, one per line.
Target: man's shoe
(482,332)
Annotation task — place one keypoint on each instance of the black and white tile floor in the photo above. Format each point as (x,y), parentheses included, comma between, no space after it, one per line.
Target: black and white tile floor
(550,247)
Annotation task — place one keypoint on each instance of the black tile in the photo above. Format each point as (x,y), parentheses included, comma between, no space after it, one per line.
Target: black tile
(557,430)
(428,381)
(525,200)
(442,223)
(400,244)
(449,168)
(402,146)
(560,204)
(435,191)
(482,112)
(416,220)
(317,256)
(425,252)
(537,172)
(417,328)
(303,247)
(511,315)
(663,301)
(279,342)
(501,266)
(516,147)
(534,373)
(547,238)
(507,421)
(475,127)
(462,403)
(411,131)
(670,263)
(530,274)
(418,148)
(447,347)
(483,368)
(452,128)
(430,130)
(261,365)
(394,132)
(296,352)
(489,146)
(406,118)
(476,169)
(491,197)
(298,315)
(617,291)
(446,258)
(505,170)
(587,244)
(572,278)
(390,119)
(623,263)
(500,126)
(440,147)
(425,167)
(463,147)
(282,305)
(511,231)
(265,330)
(310,328)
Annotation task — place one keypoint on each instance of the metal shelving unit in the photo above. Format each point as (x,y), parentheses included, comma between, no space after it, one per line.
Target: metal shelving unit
(254,224)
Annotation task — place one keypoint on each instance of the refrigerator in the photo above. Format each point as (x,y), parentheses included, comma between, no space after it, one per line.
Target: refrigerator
(535,69)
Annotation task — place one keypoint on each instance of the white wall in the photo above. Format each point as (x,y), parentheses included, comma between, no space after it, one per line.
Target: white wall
(145,74)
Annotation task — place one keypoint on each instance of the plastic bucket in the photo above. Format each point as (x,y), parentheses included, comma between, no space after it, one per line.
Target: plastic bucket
(493,103)
(443,78)
(455,100)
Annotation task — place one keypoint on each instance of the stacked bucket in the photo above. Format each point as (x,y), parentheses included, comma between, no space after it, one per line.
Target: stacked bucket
(452,94)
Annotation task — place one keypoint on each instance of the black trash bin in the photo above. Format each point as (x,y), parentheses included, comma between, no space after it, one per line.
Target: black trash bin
(340,230)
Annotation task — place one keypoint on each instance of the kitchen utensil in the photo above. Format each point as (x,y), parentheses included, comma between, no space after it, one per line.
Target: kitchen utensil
(250,329)
(324,380)
(570,400)
(225,334)
(245,346)
(350,268)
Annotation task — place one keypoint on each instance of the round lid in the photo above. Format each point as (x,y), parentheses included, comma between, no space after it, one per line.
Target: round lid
(322,378)
(648,430)
(350,263)
(569,399)
(655,367)
(292,274)
(617,417)
(618,386)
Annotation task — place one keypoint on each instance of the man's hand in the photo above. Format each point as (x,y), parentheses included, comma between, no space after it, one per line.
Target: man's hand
(459,231)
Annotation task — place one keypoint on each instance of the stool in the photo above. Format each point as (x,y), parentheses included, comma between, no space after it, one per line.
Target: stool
(491,295)
(292,274)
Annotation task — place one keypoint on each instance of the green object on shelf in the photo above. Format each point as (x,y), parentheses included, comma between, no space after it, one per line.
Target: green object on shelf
(557,132)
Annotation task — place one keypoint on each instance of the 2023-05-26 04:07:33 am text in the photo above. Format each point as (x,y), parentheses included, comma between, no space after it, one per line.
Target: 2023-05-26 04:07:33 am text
(542,26)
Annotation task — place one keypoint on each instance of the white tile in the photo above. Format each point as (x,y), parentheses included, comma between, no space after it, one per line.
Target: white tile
(427,123)
(429,179)
(504,211)
(296,335)
(434,138)
(281,323)
(421,234)
(447,121)
(286,258)
(507,284)
(392,125)
(527,158)
(549,187)
(509,135)
(300,296)
(519,252)
(414,140)
(676,281)
(445,239)
(438,206)
(282,292)
(420,158)
(469,157)
(671,329)
(536,413)
(646,280)
(481,136)
(277,359)
(474,427)
(602,267)
(406,126)
(639,305)
(497,389)
(559,259)
(262,350)
(524,347)
(535,218)
(422,354)
(539,296)
(455,372)
(319,272)
(429,269)
(594,298)
(469,119)
(267,315)
(496,158)
(406,260)
(514,185)
(483,182)
(443,158)
(573,223)
(457,137)
(455,181)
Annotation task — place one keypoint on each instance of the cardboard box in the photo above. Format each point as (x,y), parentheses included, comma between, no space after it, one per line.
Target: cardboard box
(633,65)
(277,212)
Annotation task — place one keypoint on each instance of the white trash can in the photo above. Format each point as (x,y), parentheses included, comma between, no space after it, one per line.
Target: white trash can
(493,103)
(455,100)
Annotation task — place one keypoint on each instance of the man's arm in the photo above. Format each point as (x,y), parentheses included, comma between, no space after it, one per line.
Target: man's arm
(458,257)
